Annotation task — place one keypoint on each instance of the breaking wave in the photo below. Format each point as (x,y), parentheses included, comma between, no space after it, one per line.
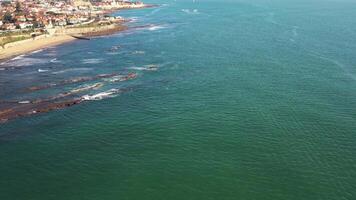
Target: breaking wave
(22,61)
(102,95)
(54,60)
(37,51)
(156,27)
(92,61)
(42,70)
(87,87)
(72,70)
(138,52)
(188,11)
(145,68)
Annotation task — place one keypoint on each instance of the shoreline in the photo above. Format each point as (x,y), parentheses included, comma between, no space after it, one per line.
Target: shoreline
(58,39)
(31,46)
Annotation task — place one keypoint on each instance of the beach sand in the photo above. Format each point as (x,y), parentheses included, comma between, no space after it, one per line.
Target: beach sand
(33,46)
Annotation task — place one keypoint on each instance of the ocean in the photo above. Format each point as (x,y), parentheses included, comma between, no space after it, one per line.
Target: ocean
(232,99)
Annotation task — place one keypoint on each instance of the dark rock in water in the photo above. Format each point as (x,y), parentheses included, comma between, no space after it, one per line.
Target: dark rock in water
(71,81)
(16,109)
(34,108)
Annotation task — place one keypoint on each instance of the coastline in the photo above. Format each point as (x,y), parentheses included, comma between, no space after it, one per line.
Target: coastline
(30,46)
(57,39)
(68,35)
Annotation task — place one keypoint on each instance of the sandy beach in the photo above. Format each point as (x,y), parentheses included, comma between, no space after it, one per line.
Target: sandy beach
(33,45)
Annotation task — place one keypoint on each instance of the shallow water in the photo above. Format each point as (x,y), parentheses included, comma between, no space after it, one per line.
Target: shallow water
(250,100)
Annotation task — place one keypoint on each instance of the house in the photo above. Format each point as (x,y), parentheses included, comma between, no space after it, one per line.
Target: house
(24,25)
(9,26)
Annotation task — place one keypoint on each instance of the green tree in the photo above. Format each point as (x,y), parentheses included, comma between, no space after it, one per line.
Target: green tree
(8,18)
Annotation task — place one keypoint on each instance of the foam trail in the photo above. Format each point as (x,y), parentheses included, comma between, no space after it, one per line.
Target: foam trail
(295,31)
(146,68)
(120,78)
(102,95)
(92,61)
(154,28)
(337,63)
(54,60)
(138,52)
(71,81)
(38,51)
(22,61)
(42,70)
(18,57)
(72,70)
(188,11)
(87,87)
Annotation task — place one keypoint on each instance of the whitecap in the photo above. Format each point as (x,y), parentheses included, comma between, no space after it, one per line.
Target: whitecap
(42,70)
(112,53)
(133,19)
(188,11)
(156,27)
(54,60)
(87,87)
(102,95)
(151,67)
(117,78)
(22,61)
(138,52)
(24,102)
(137,68)
(72,70)
(18,57)
(37,51)
(92,61)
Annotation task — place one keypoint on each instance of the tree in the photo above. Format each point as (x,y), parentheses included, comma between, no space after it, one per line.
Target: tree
(8,18)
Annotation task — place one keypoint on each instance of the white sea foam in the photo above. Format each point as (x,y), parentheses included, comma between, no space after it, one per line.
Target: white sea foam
(18,57)
(138,52)
(24,102)
(102,95)
(295,31)
(87,87)
(146,68)
(92,61)
(117,78)
(112,53)
(42,70)
(133,19)
(54,60)
(156,27)
(22,61)
(137,68)
(72,70)
(37,51)
(188,11)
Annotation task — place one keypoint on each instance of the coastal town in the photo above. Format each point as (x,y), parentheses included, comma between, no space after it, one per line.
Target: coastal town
(27,25)
(35,14)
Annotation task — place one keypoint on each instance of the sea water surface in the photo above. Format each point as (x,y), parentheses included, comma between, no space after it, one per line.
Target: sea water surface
(248,99)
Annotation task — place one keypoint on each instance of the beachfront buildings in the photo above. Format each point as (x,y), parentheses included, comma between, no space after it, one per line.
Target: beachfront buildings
(29,14)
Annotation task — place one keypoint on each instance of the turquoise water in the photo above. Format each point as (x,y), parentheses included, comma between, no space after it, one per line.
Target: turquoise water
(251,100)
